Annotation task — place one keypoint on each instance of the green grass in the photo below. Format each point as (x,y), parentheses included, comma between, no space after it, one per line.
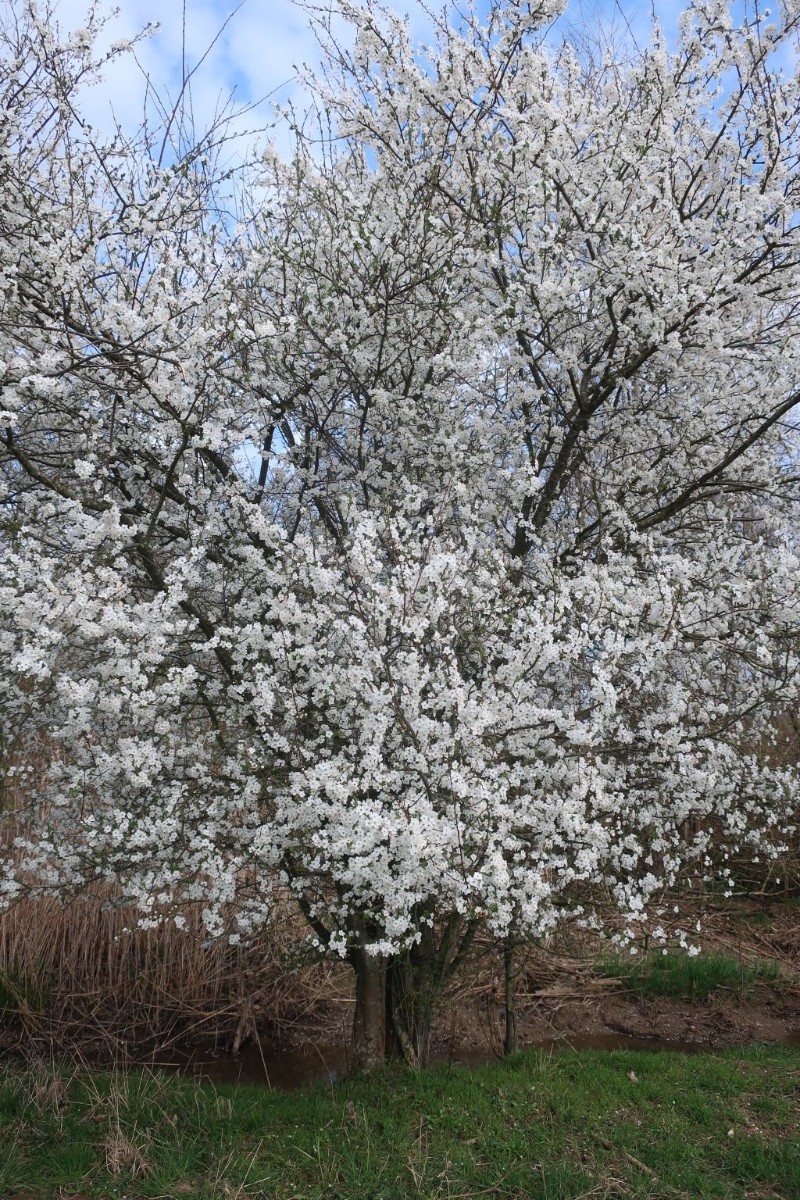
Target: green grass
(680,977)
(574,1125)
(16,992)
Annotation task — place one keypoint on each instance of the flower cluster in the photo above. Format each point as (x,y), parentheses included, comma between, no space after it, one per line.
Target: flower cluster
(426,540)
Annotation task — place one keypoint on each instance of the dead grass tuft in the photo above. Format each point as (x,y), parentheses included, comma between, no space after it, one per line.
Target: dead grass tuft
(44,1089)
(125,1156)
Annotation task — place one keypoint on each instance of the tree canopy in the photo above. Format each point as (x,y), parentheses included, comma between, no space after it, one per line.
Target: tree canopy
(422,532)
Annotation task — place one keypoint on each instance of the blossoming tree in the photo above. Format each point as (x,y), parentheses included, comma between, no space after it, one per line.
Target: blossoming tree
(423,538)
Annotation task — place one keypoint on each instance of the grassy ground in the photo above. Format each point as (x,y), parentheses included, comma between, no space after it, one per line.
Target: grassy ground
(681,977)
(584,1125)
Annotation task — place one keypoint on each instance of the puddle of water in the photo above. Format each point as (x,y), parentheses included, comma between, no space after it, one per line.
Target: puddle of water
(283,1070)
(286,1070)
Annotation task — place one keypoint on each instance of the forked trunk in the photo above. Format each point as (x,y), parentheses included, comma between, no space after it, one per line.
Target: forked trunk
(396,996)
(415,981)
(411,994)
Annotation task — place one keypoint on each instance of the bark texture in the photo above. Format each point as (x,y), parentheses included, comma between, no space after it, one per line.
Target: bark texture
(369,1019)
(396,997)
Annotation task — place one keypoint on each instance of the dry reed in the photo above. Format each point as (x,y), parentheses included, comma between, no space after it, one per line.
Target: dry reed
(81,971)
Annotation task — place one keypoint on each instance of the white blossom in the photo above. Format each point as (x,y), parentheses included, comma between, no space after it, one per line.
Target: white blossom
(427,539)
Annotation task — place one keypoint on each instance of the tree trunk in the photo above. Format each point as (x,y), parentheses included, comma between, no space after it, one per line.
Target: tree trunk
(396,997)
(415,981)
(410,999)
(510,990)
(369,1019)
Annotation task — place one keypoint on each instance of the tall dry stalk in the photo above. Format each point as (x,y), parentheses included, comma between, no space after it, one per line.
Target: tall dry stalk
(81,970)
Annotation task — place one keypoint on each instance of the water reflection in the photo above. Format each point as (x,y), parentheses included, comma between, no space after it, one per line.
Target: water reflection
(287,1069)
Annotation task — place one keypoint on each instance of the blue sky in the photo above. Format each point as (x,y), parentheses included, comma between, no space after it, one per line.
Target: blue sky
(255,53)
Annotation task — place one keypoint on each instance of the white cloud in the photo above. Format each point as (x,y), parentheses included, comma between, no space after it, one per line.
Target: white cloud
(252,56)
(256,53)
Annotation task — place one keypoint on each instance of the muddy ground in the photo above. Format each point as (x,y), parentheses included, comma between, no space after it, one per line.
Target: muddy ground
(562,997)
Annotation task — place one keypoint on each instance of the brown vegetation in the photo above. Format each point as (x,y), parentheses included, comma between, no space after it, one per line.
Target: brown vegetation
(81,971)
(74,978)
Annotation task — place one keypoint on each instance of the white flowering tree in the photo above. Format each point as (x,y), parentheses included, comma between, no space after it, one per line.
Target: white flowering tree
(425,538)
